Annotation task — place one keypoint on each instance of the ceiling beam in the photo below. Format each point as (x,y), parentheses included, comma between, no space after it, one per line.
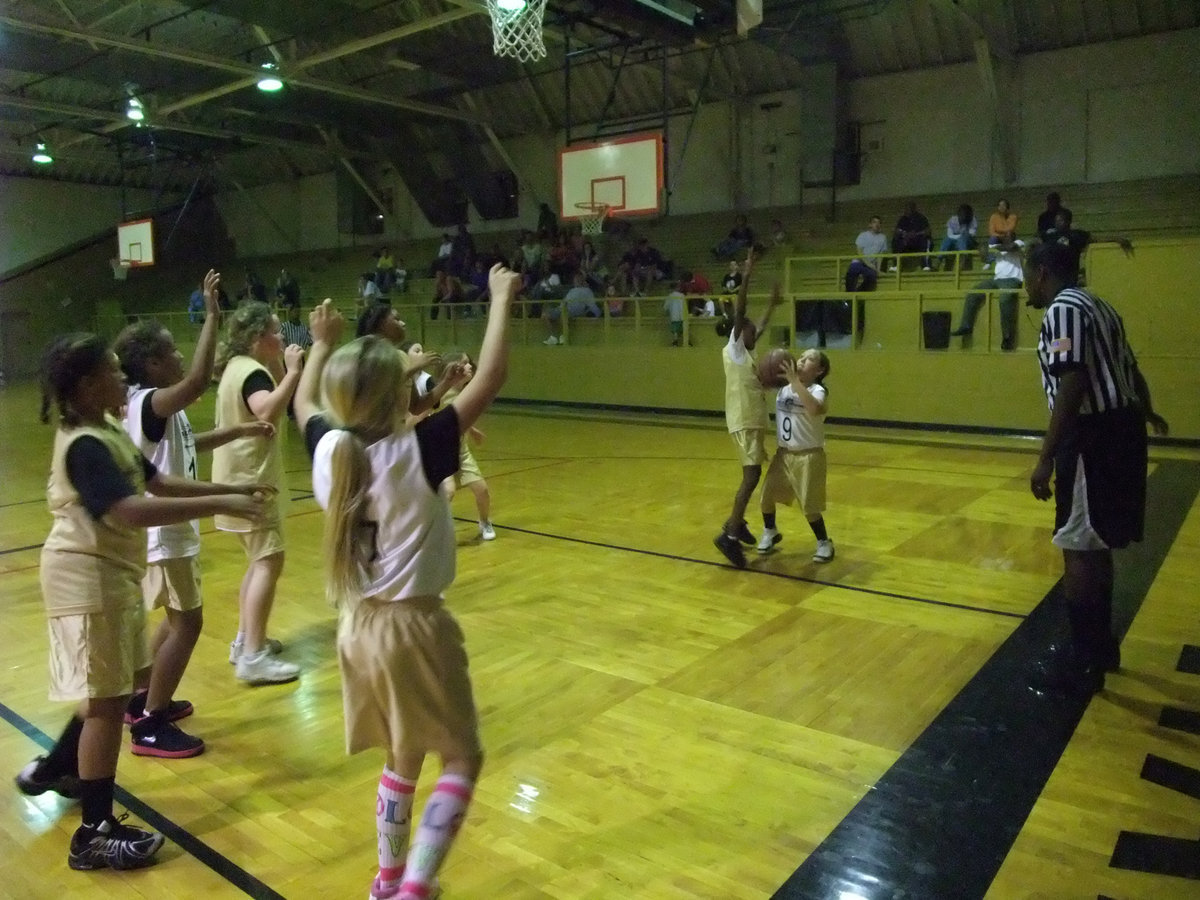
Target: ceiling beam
(290,73)
(228,134)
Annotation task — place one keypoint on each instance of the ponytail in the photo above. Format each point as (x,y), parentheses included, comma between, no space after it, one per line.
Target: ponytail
(349,542)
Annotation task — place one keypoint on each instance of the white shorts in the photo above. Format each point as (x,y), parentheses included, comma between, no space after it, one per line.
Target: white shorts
(1078,533)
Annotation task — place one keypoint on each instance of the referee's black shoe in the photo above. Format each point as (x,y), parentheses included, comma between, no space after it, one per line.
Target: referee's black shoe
(1065,676)
(731,549)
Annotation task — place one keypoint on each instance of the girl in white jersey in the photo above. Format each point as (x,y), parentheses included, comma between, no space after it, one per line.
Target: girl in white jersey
(156,420)
(797,472)
(389,547)
(91,565)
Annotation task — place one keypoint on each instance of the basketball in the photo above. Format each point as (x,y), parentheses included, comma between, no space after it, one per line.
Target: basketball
(770,368)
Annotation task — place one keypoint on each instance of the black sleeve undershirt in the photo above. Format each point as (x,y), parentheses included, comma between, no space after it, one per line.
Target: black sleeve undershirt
(316,428)
(94,473)
(438,438)
(153,426)
(256,381)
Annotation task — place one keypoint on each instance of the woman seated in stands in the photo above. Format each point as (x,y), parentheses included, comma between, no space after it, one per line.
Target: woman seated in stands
(740,237)
(448,292)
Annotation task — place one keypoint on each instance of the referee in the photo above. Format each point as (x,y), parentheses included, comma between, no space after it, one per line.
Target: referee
(1095,446)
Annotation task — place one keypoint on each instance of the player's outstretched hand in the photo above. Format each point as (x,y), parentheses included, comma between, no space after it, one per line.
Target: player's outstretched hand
(212,302)
(257,429)
(326,323)
(503,283)
(1039,481)
(293,358)
(422,359)
(252,507)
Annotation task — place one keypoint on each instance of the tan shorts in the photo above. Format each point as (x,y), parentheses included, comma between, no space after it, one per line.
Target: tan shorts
(261,543)
(797,475)
(173,584)
(404,679)
(96,654)
(752,450)
(468,469)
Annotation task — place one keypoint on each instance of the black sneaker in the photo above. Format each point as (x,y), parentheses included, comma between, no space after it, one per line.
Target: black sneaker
(167,741)
(745,536)
(732,550)
(113,845)
(136,711)
(32,784)
(1067,678)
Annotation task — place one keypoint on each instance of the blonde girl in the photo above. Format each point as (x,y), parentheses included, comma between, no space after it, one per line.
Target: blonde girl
(389,547)
(258,377)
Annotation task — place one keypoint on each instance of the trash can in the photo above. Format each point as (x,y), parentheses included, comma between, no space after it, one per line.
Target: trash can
(936,328)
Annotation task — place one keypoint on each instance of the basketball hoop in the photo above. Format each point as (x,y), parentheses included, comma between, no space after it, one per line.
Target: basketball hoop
(120,269)
(517,28)
(592,219)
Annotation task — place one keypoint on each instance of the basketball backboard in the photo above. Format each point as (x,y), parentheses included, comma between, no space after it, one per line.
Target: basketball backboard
(135,243)
(625,174)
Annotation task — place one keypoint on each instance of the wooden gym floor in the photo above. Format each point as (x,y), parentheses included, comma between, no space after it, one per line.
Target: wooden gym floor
(660,725)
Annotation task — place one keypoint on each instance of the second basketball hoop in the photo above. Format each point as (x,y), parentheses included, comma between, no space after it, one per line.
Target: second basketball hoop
(517,28)
(591,217)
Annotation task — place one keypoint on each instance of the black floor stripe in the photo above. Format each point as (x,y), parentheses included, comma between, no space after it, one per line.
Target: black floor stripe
(940,821)
(20,549)
(1173,775)
(966,607)
(1157,854)
(1189,660)
(188,842)
(1180,719)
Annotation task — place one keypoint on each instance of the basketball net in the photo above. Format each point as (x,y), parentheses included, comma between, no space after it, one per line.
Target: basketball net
(517,32)
(749,15)
(591,218)
(120,269)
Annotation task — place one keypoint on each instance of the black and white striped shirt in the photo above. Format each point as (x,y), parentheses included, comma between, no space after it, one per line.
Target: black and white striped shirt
(1081,331)
(296,333)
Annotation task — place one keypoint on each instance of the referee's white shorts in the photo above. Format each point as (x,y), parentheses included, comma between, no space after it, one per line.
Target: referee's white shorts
(1078,533)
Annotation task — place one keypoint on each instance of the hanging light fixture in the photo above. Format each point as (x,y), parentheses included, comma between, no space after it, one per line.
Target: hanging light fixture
(135,111)
(270,81)
(511,5)
(41,155)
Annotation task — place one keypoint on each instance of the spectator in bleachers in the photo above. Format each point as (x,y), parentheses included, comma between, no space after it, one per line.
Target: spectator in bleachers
(779,237)
(400,277)
(547,223)
(368,291)
(863,273)
(287,291)
(1008,274)
(441,262)
(1077,239)
(913,234)
(561,259)
(580,300)
(293,330)
(613,301)
(447,292)
(592,266)
(740,237)
(961,229)
(462,253)
(476,289)
(1001,224)
(697,287)
(640,268)
(530,260)
(733,278)
(673,306)
(1046,219)
(385,267)
(196,306)
(253,289)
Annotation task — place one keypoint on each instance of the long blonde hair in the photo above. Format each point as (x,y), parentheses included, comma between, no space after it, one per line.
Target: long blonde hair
(366,398)
(247,323)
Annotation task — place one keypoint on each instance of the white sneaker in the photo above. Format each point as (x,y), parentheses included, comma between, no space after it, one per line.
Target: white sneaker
(926,268)
(562,341)
(263,668)
(550,341)
(987,266)
(824,552)
(271,645)
(486,531)
(766,543)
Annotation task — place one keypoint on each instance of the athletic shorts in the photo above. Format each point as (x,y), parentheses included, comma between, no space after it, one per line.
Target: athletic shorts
(97,654)
(468,468)
(751,446)
(405,685)
(677,328)
(173,584)
(797,476)
(261,543)
(1100,482)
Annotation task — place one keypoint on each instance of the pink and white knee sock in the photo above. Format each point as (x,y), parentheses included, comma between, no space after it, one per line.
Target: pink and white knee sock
(393,816)
(443,816)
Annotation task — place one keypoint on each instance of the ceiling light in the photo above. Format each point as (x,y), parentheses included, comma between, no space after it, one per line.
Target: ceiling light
(270,80)
(135,110)
(511,5)
(41,155)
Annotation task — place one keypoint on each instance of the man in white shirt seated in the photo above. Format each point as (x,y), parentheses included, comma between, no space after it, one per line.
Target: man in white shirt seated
(1006,274)
(863,273)
(579,300)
